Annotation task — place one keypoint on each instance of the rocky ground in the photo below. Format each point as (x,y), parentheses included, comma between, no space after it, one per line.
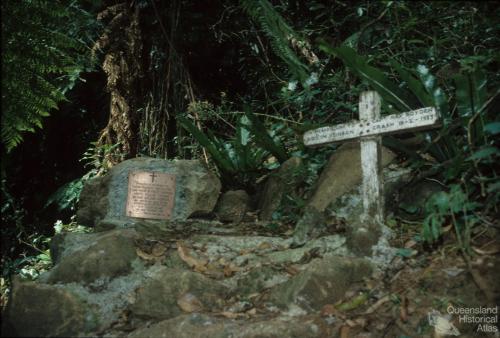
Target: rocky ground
(209,279)
(320,275)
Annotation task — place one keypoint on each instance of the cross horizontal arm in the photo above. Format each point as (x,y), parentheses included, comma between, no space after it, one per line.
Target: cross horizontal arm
(391,124)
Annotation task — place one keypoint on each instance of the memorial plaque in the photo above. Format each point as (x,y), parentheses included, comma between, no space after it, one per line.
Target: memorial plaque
(150,195)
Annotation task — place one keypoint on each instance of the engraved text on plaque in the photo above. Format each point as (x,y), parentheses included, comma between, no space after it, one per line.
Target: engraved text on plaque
(150,194)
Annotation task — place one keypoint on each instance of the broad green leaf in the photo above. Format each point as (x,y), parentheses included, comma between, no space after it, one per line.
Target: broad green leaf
(220,158)
(391,93)
(492,128)
(436,229)
(414,84)
(438,96)
(405,252)
(426,231)
(463,93)
(493,187)
(483,153)
(263,139)
(243,134)
(441,201)
(428,80)
(479,94)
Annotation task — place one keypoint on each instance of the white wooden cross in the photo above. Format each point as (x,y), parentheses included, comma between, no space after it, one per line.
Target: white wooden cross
(369,129)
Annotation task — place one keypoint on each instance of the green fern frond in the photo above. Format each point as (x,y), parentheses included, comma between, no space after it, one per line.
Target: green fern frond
(39,48)
(279,33)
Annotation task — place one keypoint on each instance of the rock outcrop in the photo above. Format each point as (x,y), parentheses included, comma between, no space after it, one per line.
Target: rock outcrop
(232,206)
(104,198)
(341,174)
(126,282)
(284,181)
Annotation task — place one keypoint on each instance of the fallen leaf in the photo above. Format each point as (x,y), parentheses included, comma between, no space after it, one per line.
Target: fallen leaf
(144,255)
(189,303)
(328,310)
(403,310)
(453,271)
(354,302)
(212,270)
(351,323)
(245,252)
(158,250)
(377,304)
(230,269)
(494,249)
(344,331)
(447,228)
(231,315)
(361,321)
(194,263)
(252,311)
(264,246)
(292,270)
(410,244)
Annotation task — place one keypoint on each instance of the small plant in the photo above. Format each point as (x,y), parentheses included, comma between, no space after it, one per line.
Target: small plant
(60,227)
(240,158)
(101,157)
(450,207)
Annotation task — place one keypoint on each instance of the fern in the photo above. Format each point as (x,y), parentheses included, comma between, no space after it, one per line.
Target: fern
(280,34)
(39,51)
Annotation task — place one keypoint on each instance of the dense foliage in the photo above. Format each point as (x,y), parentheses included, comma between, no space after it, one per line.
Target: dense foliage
(43,53)
(240,94)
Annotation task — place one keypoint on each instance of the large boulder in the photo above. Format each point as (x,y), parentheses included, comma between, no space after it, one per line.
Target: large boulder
(108,256)
(40,310)
(196,191)
(341,174)
(158,297)
(323,282)
(232,206)
(279,184)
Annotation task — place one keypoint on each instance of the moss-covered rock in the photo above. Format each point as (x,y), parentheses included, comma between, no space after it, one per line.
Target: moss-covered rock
(40,310)
(196,191)
(157,298)
(324,281)
(232,206)
(109,256)
(204,326)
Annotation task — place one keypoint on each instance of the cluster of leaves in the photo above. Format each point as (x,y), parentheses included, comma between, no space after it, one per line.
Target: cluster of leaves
(243,155)
(43,53)
(34,258)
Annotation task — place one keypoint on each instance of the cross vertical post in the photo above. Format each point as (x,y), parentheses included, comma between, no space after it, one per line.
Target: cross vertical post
(371,150)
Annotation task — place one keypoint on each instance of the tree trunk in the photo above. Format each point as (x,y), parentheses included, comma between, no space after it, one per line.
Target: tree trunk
(122,45)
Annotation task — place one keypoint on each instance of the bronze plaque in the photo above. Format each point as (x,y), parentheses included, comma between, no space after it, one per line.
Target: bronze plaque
(150,194)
